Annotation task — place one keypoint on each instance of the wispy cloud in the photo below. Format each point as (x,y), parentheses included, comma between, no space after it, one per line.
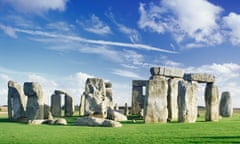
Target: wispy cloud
(125,73)
(39,6)
(8,31)
(133,34)
(95,25)
(92,41)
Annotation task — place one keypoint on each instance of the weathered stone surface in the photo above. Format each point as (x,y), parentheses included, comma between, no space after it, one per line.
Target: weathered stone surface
(167,72)
(94,98)
(155,106)
(37,121)
(138,96)
(108,99)
(46,111)
(56,105)
(16,101)
(115,115)
(172,99)
(226,108)
(69,107)
(93,121)
(82,105)
(35,105)
(200,77)
(187,102)
(212,103)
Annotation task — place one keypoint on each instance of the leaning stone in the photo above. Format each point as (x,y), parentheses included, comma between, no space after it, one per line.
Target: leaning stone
(226,109)
(93,121)
(187,102)
(200,77)
(155,107)
(167,72)
(212,103)
(35,105)
(16,101)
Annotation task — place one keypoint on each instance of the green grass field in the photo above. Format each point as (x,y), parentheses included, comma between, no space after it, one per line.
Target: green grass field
(227,130)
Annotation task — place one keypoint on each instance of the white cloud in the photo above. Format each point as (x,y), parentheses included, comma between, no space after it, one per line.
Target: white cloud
(60,26)
(232,22)
(8,31)
(91,41)
(196,21)
(95,25)
(38,6)
(125,73)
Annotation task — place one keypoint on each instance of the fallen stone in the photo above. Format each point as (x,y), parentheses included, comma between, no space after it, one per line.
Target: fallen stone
(167,72)
(37,122)
(200,77)
(226,109)
(93,121)
(60,121)
(115,115)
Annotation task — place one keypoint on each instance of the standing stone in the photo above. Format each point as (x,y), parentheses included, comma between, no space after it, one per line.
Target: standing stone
(138,96)
(69,107)
(155,106)
(212,102)
(35,105)
(226,109)
(56,105)
(109,99)
(16,101)
(187,102)
(126,109)
(94,98)
(172,98)
(82,105)
(46,111)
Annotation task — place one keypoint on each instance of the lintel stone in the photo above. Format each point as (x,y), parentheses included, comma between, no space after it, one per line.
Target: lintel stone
(199,77)
(167,72)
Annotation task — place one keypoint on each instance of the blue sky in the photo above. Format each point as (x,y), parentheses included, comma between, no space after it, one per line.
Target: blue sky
(60,43)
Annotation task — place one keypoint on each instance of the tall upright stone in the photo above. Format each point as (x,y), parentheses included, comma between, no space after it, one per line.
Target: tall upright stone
(155,106)
(138,96)
(94,98)
(109,99)
(35,104)
(187,101)
(69,107)
(16,101)
(172,98)
(56,105)
(212,102)
(226,109)
(126,111)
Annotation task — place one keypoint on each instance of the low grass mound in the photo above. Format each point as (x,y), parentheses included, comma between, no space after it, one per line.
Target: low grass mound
(227,130)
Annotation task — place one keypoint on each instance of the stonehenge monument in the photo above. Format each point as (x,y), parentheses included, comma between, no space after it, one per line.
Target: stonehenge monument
(226,109)
(16,101)
(180,98)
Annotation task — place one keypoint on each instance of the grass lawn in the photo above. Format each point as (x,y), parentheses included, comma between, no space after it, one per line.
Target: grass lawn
(227,130)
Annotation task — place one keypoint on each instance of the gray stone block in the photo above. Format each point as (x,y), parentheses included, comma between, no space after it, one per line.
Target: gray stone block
(200,77)
(167,72)
(226,109)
